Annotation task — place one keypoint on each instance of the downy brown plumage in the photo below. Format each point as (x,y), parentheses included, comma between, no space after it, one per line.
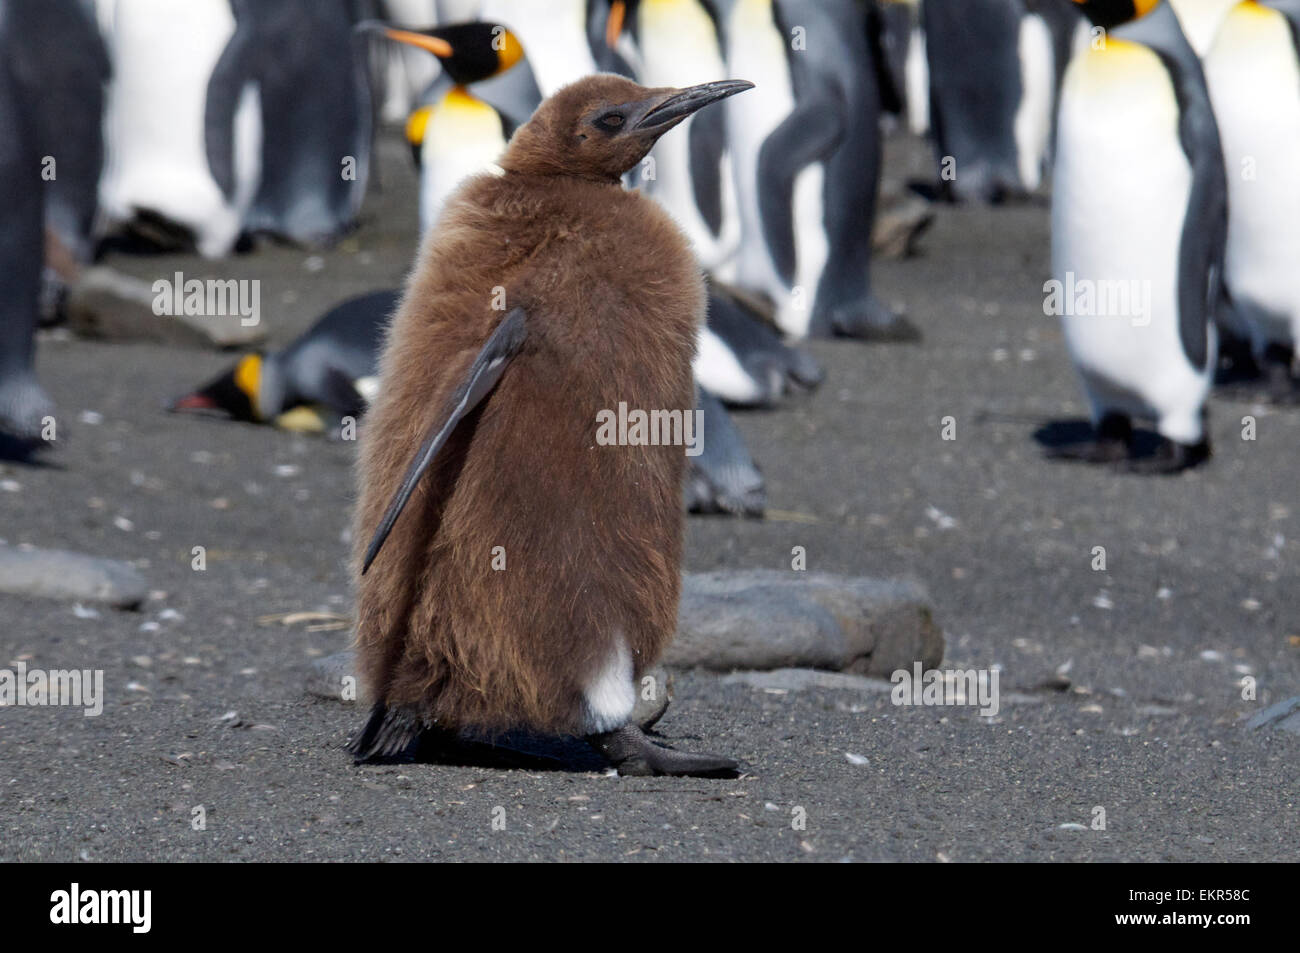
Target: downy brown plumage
(605,296)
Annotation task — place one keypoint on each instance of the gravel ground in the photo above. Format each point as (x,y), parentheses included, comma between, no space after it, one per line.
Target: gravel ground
(205,705)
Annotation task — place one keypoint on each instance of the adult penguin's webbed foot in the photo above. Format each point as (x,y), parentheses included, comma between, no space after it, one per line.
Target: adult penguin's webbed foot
(1112,443)
(635,755)
(870,320)
(1170,458)
(1280,384)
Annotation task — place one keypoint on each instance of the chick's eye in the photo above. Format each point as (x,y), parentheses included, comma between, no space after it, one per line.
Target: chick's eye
(610,121)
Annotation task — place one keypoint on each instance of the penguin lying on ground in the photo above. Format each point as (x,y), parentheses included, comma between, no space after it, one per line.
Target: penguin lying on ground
(330,372)
(535,574)
(1138,223)
(743,360)
(327,372)
(1253,73)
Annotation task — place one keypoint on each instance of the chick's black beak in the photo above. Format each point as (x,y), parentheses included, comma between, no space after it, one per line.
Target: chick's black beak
(677,105)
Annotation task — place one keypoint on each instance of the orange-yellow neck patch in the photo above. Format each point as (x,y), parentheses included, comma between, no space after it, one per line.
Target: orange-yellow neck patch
(416,124)
(248,378)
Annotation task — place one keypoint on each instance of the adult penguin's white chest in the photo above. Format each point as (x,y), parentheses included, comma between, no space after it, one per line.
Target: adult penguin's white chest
(462,136)
(757,46)
(553,34)
(155,155)
(679,47)
(1120,199)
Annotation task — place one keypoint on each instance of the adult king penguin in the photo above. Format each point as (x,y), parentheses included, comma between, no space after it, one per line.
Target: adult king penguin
(157,132)
(463,130)
(315,113)
(518,575)
(1253,73)
(805,148)
(992,87)
(1138,223)
(1201,19)
(52,69)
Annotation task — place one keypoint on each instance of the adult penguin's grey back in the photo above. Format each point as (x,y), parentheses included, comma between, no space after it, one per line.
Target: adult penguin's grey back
(316,115)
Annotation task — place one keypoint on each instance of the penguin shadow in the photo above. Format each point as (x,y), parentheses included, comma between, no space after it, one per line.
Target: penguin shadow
(149,234)
(26,452)
(1058,435)
(1237,372)
(516,750)
(940,192)
(1240,378)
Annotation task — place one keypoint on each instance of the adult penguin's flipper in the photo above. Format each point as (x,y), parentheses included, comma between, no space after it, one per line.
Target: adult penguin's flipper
(707,144)
(807,135)
(488,366)
(226,86)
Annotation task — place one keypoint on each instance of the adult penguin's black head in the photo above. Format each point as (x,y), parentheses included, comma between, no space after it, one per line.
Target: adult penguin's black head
(469,52)
(235,392)
(603,125)
(1111,13)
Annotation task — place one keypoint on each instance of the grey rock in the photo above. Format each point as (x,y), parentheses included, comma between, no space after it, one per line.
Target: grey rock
(58,574)
(1284,715)
(652,698)
(799,679)
(326,676)
(769,619)
(900,223)
(104,303)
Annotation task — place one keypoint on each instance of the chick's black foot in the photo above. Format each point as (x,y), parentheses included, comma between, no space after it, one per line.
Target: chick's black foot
(635,755)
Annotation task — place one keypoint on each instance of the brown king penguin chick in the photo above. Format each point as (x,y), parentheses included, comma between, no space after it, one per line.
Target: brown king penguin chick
(514,574)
